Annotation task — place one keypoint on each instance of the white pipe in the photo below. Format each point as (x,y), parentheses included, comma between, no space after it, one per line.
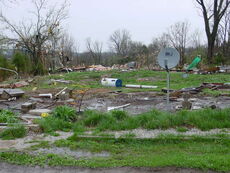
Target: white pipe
(141,86)
(46,95)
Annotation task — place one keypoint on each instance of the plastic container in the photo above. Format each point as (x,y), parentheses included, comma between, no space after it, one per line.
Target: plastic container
(111,82)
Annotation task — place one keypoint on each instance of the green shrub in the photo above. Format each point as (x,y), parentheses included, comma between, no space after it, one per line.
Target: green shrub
(65,113)
(5,64)
(38,68)
(7,116)
(17,131)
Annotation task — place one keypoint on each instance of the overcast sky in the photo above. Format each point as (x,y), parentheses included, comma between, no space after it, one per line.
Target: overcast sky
(98,19)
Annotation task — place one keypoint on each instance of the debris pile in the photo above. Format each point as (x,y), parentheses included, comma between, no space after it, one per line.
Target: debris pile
(98,68)
(19,84)
(211,86)
(7,94)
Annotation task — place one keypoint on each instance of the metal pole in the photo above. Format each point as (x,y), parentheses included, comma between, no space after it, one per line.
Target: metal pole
(168,88)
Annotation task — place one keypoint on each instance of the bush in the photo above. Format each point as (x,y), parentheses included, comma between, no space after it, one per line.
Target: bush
(65,113)
(7,116)
(17,131)
(21,62)
(38,68)
(5,64)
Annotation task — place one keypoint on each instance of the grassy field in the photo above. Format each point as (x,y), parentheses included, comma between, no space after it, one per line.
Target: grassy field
(206,153)
(162,152)
(141,77)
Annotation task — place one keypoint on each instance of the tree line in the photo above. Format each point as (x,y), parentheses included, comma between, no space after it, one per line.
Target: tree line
(42,45)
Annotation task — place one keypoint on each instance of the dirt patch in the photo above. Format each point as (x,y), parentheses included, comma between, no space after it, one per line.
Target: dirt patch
(103,98)
(9,168)
(23,143)
(143,133)
(67,152)
(141,102)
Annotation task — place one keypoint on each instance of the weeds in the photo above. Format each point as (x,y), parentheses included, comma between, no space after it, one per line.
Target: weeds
(93,118)
(7,116)
(209,92)
(65,113)
(198,153)
(17,131)
(50,124)
(13,131)
(203,119)
(62,118)
(78,128)
(119,115)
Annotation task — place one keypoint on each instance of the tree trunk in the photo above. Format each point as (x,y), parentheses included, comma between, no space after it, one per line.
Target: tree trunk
(210,53)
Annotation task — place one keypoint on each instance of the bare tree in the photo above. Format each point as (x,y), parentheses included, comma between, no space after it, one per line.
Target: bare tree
(34,37)
(159,43)
(178,37)
(120,42)
(223,39)
(95,50)
(66,48)
(212,14)
(195,39)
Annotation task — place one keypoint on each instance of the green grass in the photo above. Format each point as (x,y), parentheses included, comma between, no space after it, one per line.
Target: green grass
(51,124)
(7,116)
(215,93)
(205,154)
(181,129)
(65,113)
(16,131)
(62,118)
(205,119)
(39,144)
(92,79)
